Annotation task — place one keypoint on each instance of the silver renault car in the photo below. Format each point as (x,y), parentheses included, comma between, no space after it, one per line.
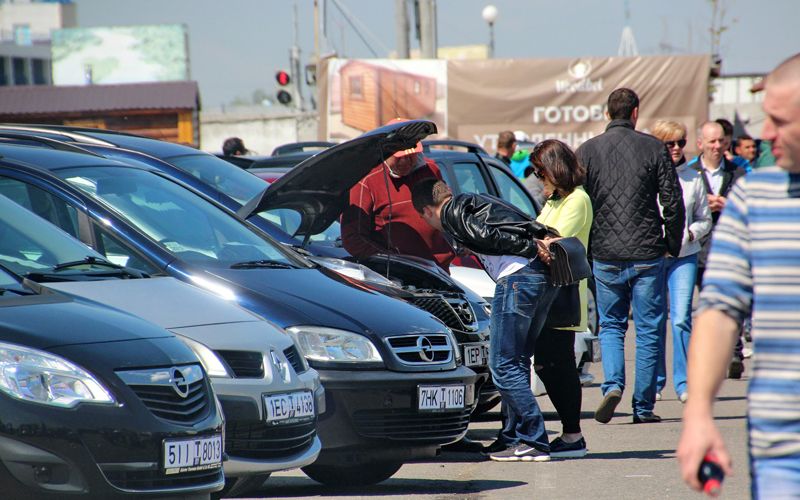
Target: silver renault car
(269,395)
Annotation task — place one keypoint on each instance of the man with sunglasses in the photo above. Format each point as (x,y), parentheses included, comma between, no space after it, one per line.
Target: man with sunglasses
(718,174)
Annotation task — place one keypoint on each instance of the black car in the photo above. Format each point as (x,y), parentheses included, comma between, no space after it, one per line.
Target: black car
(99,403)
(284,156)
(378,358)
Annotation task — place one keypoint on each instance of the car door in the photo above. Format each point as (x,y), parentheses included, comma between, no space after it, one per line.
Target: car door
(510,189)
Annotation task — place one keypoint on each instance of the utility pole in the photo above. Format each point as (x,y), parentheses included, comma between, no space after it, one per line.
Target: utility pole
(294,59)
(401,27)
(427,28)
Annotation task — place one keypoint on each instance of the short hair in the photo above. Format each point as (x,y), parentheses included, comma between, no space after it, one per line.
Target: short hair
(505,139)
(786,72)
(727,126)
(743,137)
(232,146)
(706,124)
(666,130)
(621,103)
(429,192)
(559,164)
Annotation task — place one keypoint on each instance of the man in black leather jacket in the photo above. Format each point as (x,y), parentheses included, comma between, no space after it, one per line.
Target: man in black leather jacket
(628,174)
(512,248)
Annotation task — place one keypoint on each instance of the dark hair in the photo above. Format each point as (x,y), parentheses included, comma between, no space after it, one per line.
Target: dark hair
(727,126)
(233,146)
(429,192)
(743,137)
(621,104)
(505,139)
(559,164)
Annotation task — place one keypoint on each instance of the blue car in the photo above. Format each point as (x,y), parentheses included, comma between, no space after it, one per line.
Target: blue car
(396,389)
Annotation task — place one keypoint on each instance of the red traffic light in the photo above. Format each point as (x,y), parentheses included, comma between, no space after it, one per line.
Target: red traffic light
(282,77)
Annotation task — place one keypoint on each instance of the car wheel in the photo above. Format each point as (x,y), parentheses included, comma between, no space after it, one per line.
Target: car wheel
(359,475)
(235,486)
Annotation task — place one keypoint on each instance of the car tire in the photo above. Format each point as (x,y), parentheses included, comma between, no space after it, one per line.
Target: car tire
(245,485)
(359,475)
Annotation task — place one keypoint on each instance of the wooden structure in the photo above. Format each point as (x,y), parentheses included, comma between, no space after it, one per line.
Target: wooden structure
(161,110)
(372,95)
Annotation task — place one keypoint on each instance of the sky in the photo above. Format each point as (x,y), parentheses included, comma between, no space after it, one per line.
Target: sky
(236,46)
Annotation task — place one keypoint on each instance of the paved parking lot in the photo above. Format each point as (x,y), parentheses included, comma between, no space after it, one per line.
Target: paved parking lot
(624,460)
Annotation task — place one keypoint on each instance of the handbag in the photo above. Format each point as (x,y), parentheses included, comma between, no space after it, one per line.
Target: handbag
(569,264)
(566,308)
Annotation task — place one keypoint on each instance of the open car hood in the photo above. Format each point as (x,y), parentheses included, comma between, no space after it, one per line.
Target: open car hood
(319,187)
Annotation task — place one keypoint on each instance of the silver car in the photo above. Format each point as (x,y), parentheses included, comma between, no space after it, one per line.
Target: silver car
(269,395)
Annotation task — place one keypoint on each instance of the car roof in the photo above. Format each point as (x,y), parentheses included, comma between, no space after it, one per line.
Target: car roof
(51,159)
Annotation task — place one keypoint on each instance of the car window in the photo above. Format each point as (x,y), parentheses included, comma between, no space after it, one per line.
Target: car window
(179,220)
(45,205)
(288,221)
(512,192)
(469,178)
(226,178)
(119,253)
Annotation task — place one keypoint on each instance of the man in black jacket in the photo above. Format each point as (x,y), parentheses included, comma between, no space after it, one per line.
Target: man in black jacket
(512,248)
(628,174)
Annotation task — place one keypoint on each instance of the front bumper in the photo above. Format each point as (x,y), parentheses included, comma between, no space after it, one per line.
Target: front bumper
(372,414)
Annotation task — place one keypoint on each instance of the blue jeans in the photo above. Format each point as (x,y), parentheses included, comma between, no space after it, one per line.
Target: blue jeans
(680,275)
(775,478)
(519,307)
(620,283)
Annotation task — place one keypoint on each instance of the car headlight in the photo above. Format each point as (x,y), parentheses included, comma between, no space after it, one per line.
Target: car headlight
(352,270)
(331,345)
(208,358)
(40,377)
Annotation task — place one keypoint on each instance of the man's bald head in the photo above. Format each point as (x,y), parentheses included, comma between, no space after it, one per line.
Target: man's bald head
(711,143)
(782,109)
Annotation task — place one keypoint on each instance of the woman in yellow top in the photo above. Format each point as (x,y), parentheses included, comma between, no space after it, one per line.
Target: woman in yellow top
(569,210)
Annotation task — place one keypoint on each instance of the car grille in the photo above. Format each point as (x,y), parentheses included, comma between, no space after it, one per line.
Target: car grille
(421,349)
(148,480)
(455,312)
(410,425)
(259,440)
(294,359)
(176,394)
(245,364)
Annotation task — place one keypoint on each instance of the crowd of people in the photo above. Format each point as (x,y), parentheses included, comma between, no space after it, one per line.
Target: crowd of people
(660,225)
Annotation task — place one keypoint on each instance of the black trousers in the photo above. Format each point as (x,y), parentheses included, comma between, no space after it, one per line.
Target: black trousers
(555,364)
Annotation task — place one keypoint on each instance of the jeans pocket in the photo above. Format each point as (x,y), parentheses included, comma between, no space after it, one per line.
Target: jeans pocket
(602,267)
(648,267)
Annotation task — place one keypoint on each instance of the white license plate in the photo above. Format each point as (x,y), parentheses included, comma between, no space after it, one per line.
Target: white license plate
(440,397)
(476,355)
(187,455)
(293,405)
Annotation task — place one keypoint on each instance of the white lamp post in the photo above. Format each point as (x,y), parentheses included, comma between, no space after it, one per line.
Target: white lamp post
(490,15)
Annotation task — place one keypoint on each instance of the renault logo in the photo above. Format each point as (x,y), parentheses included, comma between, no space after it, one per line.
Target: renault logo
(179,383)
(282,366)
(425,349)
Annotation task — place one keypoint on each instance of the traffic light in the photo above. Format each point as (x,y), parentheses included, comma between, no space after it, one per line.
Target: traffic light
(284,96)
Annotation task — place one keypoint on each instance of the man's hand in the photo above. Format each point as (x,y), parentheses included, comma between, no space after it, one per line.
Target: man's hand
(699,437)
(716,203)
(544,249)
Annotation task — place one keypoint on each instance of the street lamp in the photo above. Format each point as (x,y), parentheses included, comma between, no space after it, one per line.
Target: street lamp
(490,15)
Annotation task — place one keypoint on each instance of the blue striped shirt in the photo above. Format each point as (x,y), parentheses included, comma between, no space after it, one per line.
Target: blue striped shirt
(754,267)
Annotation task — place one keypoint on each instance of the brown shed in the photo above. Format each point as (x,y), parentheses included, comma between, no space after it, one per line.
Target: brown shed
(372,95)
(161,110)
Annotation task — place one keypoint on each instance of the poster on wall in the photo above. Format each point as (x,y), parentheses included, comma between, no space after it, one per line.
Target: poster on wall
(541,99)
(120,54)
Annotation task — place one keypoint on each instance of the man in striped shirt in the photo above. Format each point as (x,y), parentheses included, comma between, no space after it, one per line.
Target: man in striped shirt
(754,266)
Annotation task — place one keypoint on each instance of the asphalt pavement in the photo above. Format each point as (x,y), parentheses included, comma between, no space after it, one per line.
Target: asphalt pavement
(625,460)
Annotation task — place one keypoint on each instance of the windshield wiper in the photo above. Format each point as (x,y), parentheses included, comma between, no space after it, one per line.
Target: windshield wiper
(274,264)
(88,260)
(16,291)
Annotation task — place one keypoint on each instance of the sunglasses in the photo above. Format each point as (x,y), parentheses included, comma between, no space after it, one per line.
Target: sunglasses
(671,144)
(539,173)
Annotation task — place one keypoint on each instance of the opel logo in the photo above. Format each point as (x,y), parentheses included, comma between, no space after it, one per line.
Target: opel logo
(179,383)
(425,348)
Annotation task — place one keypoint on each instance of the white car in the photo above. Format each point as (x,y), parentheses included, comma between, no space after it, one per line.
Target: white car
(270,397)
(587,347)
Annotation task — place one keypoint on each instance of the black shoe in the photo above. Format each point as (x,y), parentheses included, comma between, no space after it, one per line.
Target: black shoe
(606,409)
(464,445)
(736,369)
(496,446)
(561,449)
(650,418)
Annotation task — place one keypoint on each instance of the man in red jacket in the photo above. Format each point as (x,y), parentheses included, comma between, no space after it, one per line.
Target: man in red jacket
(381,218)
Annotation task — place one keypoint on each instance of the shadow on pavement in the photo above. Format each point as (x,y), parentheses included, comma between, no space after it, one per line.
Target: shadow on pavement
(278,487)
(632,454)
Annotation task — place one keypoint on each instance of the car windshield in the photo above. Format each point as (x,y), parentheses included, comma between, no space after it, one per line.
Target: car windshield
(226,178)
(29,243)
(180,221)
(288,221)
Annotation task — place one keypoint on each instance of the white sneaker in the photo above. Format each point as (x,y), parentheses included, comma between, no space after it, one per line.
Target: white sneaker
(683,397)
(747,352)
(658,396)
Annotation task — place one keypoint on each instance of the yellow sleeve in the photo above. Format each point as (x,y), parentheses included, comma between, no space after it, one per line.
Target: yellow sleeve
(571,216)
